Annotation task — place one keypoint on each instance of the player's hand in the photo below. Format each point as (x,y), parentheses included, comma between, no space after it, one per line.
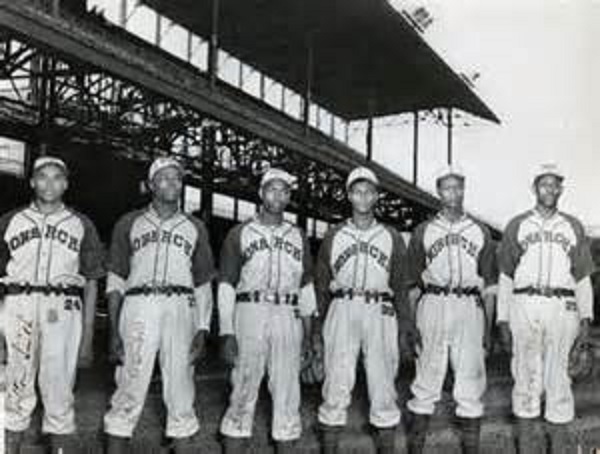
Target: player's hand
(198,347)
(583,337)
(116,350)
(505,337)
(409,341)
(307,353)
(229,349)
(487,340)
(313,372)
(86,354)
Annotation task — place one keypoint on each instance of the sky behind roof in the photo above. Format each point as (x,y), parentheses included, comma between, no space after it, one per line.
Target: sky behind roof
(540,65)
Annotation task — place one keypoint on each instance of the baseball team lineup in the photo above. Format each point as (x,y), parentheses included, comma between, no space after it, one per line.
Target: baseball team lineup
(291,318)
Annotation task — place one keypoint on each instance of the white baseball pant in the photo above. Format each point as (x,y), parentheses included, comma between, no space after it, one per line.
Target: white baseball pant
(451,329)
(269,340)
(149,325)
(544,330)
(42,338)
(353,325)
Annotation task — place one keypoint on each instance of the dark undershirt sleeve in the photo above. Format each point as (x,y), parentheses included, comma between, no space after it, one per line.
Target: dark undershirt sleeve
(203,264)
(231,261)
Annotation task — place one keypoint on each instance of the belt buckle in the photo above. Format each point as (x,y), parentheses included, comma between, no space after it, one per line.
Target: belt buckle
(546,291)
(270,297)
(459,292)
(168,291)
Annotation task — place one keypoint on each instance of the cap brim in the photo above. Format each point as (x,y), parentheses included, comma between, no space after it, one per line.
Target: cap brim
(58,165)
(351,183)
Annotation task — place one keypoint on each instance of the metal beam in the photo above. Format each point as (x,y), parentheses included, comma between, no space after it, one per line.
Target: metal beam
(132,59)
(450,157)
(416,147)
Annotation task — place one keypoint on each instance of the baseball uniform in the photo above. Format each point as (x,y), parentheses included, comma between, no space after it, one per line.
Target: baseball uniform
(361,272)
(452,262)
(160,266)
(265,288)
(543,262)
(45,260)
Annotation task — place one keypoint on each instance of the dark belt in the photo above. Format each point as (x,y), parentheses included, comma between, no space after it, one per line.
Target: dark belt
(28,289)
(167,290)
(548,292)
(290,299)
(370,296)
(457,291)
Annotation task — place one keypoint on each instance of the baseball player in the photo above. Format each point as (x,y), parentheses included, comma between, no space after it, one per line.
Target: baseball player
(452,263)
(50,260)
(359,280)
(160,302)
(545,302)
(266,300)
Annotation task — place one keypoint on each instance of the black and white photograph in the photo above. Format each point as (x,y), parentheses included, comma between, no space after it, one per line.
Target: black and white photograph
(299,227)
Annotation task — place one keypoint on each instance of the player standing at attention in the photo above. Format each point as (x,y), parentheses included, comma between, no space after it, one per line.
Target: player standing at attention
(266,301)
(452,262)
(360,289)
(160,302)
(50,260)
(545,307)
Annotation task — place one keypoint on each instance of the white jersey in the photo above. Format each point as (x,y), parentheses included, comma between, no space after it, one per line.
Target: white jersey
(149,251)
(452,254)
(58,248)
(539,252)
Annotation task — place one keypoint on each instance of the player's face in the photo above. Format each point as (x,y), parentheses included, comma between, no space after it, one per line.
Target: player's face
(548,190)
(49,184)
(363,197)
(167,185)
(451,191)
(275,196)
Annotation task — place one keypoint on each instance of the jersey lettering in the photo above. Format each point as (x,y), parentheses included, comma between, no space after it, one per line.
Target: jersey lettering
(546,236)
(62,236)
(381,258)
(452,239)
(152,237)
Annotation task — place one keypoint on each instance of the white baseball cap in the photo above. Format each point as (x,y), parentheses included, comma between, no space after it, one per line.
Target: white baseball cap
(548,168)
(163,163)
(277,174)
(361,174)
(450,170)
(44,161)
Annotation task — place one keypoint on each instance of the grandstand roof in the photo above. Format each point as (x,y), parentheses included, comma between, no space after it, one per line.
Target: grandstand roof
(367,59)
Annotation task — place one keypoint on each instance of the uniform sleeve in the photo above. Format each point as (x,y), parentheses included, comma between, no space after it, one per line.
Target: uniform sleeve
(323,274)
(510,250)
(203,264)
(398,264)
(231,261)
(307,262)
(91,265)
(119,255)
(230,266)
(487,265)
(416,259)
(582,264)
(4,249)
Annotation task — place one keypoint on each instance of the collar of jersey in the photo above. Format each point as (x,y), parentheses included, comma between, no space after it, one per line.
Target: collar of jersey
(270,227)
(36,211)
(154,215)
(446,223)
(352,226)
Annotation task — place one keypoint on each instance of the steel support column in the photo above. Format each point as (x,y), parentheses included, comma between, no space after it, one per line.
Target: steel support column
(369,138)
(450,126)
(213,45)
(416,147)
